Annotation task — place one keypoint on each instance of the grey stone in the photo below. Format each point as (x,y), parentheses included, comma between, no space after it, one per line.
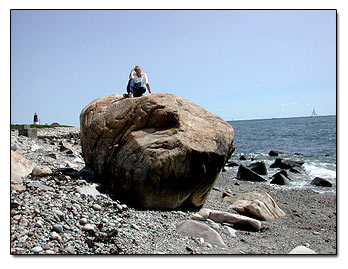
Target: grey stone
(231,231)
(200,230)
(37,249)
(302,250)
(97,207)
(58,228)
(259,205)
(247,174)
(83,221)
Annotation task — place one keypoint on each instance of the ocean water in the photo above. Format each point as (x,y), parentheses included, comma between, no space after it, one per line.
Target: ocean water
(312,140)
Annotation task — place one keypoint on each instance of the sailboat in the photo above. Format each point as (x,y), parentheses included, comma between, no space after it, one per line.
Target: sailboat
(314,115)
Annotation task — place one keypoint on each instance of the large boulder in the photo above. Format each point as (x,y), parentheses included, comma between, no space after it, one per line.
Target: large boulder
(160,150)
(247,174)
(258,167)
(285,164)
(322,182)
(280,179)
(255,204)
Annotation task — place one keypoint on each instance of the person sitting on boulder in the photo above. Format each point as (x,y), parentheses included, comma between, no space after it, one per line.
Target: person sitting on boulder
(137,82)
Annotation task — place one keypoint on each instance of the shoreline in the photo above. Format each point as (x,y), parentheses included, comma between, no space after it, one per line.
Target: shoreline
(52,204)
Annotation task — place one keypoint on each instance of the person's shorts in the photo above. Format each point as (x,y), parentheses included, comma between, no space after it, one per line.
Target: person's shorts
(137,92)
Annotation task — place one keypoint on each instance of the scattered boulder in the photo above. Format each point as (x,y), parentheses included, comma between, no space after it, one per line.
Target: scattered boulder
(285,164)
(160,150)
(21,165)
(232,164)
(200,230)
(281,172)
(41,171)
(302,250)
(322,182)
(248,175)
(225,217)
(242,158)
(280,179)
(255,204)
(294,170)
(275,153)
(258,167)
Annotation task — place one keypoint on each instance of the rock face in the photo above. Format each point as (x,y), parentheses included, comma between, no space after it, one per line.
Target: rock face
(160,150)
(259,205)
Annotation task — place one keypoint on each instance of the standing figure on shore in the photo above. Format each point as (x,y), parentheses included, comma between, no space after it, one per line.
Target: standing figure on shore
(137,82)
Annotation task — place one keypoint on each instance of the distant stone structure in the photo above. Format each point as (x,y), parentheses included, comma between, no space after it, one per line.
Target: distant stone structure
(36,119)
(27,131)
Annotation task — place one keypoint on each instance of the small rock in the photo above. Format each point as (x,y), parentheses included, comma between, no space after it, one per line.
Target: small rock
(58,228)
(242,158)
(37,249)
(39,224)
(58,213)
(56,236)
(275,153)
(41,171)
(70,250)
(302,250)
(135,226)
(89,228)
(97,207)
(35,147)
(83,221)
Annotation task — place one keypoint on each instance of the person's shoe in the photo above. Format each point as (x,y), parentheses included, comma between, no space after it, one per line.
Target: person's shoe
(130,95)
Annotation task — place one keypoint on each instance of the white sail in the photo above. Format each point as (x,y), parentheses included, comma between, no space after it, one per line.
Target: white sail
(314,114)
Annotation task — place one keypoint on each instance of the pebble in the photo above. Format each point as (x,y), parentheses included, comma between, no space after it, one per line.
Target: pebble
(70,250)
(97,207)
(59,213)
(46,247)
(83,221)
(37,249)
(135,226)
(88,228)
(55,236)
(39,224)
(58,228)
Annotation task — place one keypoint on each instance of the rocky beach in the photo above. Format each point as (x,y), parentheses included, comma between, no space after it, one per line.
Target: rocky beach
(57,209)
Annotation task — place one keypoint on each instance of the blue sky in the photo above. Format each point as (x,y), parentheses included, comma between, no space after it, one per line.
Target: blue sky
(238,64)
